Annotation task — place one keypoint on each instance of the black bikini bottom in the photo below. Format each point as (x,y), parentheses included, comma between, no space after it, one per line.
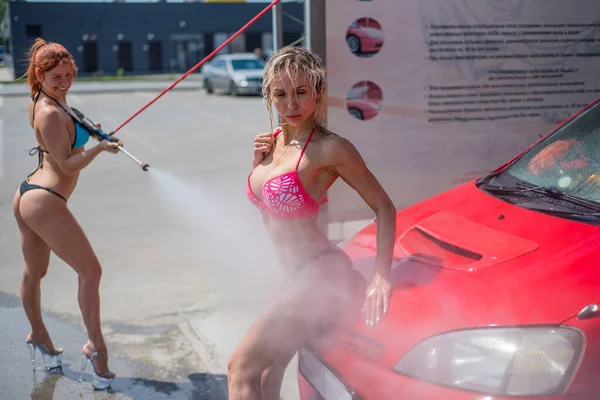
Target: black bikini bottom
(26,186)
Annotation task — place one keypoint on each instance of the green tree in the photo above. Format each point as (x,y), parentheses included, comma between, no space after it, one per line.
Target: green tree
(3,10)
(4,7)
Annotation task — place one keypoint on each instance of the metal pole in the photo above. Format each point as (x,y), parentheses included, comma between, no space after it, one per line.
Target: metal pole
(277,12)
(307,25)
(277,26)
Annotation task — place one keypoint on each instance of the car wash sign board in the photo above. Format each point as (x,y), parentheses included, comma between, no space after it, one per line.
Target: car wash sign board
(436,92)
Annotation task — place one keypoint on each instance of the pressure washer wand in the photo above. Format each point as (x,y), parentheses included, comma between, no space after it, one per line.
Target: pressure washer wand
(101,135)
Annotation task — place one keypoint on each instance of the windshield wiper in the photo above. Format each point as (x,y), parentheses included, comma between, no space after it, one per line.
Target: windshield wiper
(558,194)
(561,211)
(553,192)
(509,190)
(516,191)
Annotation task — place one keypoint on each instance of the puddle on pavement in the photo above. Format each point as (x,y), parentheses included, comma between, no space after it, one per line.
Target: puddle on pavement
(158,363)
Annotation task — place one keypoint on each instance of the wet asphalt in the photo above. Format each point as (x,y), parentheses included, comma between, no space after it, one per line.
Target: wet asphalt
(157,363)
(157,278)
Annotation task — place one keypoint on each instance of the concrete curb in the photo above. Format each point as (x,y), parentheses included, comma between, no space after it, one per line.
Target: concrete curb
(94,90)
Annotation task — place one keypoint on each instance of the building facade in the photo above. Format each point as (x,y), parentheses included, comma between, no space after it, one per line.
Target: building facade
(145,38)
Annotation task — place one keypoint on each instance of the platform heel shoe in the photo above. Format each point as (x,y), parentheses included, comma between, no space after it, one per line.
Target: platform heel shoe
(98,381)
(51,358)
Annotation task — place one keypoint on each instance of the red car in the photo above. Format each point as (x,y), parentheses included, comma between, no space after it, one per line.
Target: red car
(363,109)
(364,100)
(364,39)
(496,288)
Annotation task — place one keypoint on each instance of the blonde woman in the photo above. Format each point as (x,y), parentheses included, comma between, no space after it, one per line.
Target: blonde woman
(293,168)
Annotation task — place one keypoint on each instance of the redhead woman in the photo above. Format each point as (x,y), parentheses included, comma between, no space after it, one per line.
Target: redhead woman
(41,207)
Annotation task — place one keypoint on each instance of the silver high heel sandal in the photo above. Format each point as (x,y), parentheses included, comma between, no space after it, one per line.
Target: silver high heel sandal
(51,359)
(98,382)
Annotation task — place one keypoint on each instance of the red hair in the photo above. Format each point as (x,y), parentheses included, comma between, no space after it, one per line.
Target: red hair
(44,56)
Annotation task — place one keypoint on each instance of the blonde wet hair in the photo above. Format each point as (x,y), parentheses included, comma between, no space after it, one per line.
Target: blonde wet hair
(295,60)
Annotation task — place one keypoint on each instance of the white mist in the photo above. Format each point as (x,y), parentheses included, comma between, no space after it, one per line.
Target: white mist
(220,222)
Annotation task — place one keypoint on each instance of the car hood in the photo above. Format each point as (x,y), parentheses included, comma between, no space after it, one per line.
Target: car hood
(249,73)
(465,259)
(373,32)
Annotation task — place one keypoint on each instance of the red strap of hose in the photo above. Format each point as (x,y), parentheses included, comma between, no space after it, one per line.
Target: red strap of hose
(253,20)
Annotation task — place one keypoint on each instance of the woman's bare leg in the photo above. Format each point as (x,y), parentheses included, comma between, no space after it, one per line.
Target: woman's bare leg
(271,380)
(36,254)
(48,216)
(257,366)
(272,340)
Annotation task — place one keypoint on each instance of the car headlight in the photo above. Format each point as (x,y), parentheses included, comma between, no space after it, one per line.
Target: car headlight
(532,361)
(240,80)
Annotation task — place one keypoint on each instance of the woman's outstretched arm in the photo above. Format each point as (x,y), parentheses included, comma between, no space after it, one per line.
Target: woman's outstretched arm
(348,164)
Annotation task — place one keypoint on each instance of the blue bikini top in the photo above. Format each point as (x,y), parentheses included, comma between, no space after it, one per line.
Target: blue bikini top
(81,134)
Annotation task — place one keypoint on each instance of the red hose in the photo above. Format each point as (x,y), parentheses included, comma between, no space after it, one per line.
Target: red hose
(253,20)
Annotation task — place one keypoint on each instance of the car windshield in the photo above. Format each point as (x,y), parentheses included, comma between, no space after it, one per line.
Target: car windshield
(568,159)
(247,64)
(359,92)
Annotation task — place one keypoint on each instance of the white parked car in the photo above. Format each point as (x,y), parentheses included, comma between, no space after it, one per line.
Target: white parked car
(238,73)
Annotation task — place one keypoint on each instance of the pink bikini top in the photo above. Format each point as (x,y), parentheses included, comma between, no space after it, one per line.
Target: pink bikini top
(284,197)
